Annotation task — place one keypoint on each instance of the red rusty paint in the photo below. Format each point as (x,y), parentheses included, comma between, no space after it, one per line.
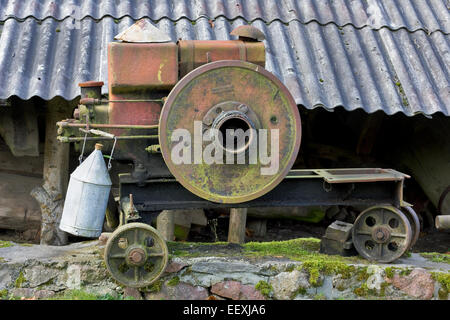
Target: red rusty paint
(142,66)
(135,71)
(194,53)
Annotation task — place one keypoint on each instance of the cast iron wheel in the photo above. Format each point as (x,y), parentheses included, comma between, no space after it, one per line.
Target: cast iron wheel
(413,219)
(382,234)
(136,255)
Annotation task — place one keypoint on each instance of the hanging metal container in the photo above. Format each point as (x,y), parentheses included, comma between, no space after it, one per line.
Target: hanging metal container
(87,197)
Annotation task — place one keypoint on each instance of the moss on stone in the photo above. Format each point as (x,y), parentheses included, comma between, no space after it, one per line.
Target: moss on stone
(3,294)
(173,282)
(155,287)
(20,280)
(300,291)
(443,279)
(265,288)
(362,274)
(5,244)
(389,271)
(362,291)
(405,272)
(437,257)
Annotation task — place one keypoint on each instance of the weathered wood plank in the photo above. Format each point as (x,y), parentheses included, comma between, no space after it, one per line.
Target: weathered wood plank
(236,230)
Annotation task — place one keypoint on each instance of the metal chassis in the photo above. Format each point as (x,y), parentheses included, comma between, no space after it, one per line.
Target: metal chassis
(326,187)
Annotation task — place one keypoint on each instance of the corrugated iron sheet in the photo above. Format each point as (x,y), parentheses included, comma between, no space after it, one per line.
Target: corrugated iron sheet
(322,65)
(427,15)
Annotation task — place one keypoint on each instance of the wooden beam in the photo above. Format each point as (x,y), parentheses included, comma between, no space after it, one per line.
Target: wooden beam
(236,230)
(56,172)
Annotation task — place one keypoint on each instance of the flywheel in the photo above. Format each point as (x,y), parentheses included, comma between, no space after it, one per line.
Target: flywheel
(136,255)
(200,124)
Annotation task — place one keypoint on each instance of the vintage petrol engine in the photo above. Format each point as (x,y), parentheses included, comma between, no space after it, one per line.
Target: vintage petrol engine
(167,104)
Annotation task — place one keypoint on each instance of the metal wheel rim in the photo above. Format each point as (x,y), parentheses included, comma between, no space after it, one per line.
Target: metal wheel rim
(383,249)
(415,224)
(197,185)
(115,257)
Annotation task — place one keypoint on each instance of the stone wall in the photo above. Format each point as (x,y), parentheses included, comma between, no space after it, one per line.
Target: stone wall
(45,271)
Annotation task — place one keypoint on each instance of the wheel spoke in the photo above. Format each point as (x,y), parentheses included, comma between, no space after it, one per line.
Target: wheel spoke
(136,274)
(398,235)
(156,254)
(364,233)
(117,256)
(380,250)
(136,235)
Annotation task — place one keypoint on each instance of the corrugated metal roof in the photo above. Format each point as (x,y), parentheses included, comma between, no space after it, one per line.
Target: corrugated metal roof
(427,15)
(326,66)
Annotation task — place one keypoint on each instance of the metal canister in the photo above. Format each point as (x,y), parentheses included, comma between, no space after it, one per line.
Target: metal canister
(87,197)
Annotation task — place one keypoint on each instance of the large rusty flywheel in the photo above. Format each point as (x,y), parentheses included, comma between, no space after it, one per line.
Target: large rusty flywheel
(229,131)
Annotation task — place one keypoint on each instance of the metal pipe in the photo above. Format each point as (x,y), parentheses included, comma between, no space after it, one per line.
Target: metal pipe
(93,101)
(442,222)
(78,139)
(107,126)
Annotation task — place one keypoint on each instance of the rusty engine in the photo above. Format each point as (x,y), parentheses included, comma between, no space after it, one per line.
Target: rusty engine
(171,104)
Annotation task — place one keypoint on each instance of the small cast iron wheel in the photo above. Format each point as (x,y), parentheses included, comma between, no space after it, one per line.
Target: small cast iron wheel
(382,234)
(413,219)
(136,255)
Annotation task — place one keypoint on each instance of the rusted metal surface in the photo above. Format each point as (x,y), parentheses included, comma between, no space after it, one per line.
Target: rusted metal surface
(105,125)
(442,222)
(141,66)
(219,82)
(136,255)
(414,222)
(142,31)
(248,33)
(382,234)
(194,53)
(349,175)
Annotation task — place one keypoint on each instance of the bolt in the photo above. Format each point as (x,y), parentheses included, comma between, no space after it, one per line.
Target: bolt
(243,108)
(122,243)
(136,256)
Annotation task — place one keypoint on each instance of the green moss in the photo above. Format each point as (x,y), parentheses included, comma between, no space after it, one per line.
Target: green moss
(300,291)
(25,244)
(320,296)
(116,21)
(265,288)
(80,294)
(155,287)
(383,287)
(58,30)
(173,282)
(405,272)
(362,291)
(20,280)
(362,274)
(295,248)
(321,80)
(437,257)
(443,279)
(389,272)
(3,294)
(5,244)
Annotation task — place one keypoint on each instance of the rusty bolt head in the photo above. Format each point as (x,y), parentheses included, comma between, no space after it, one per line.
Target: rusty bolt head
(381,234)
(122,243)
(136,257)
(243,108)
